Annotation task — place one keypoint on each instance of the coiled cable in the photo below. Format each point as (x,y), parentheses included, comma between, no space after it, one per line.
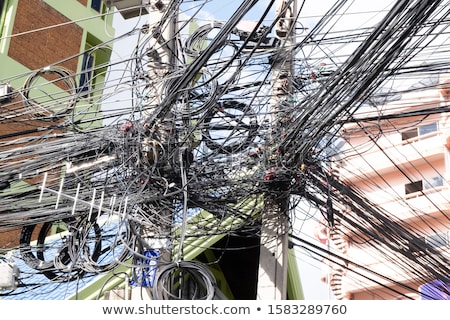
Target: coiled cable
(184,280)
(53,107)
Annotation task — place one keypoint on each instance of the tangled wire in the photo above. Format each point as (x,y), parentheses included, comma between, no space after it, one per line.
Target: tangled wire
(212,130)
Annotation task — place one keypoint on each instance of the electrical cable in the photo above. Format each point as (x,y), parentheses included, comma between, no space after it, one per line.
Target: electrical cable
(207,147)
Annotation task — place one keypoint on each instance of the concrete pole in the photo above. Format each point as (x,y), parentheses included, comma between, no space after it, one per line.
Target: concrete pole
(162,53)
(162,50)
(272,277)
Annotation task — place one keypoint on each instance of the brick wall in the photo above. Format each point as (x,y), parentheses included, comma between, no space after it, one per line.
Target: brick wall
(36,50)
(21,127)
(39,49)
(9,238)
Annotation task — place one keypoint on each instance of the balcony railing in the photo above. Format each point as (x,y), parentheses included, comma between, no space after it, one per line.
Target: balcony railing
(412,152)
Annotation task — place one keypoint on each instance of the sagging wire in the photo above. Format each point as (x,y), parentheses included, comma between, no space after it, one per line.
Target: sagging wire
(223,173)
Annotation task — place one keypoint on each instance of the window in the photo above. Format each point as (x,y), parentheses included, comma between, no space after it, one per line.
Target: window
(437,240)
(96,5)
(87,71)
(430,183)
(99,6)
(409,134)
(413,187)
(433,183)
(2,13)
(428,128)
(420,131)
(93,67)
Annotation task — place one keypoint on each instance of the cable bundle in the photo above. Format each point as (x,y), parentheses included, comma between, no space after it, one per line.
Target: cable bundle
(196,146)
(185,280)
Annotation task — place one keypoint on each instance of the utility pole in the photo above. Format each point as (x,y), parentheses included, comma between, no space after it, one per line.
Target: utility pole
(162,59)
(272,277)
(162,53)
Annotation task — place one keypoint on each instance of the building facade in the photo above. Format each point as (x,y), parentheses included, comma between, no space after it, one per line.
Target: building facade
(50,51)
(399,159)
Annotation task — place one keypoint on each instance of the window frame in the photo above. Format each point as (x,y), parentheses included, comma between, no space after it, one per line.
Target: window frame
(3,4)
(418,245)
(99,6)
(86,81)
(431,183)
(417,132)
(413,187)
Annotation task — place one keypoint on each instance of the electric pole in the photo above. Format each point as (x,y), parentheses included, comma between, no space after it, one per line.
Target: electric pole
(158,139)
(272,277)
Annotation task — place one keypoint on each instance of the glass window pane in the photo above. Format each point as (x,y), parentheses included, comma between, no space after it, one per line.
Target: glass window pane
(409,134)
(86,73)
(413,187)
(428,128)
(437,240)
(96,5)
(431,183)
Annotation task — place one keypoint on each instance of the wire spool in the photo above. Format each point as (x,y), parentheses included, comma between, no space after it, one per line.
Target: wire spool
(185,280)
(43,99)
(85,243)
(196,43)
(100,248)
(52,259)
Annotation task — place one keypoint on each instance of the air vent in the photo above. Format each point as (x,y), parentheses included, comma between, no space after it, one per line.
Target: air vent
(5,93)
(128,8)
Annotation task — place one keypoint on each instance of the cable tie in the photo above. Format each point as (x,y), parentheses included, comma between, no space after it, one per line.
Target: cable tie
(43,186)
(75,199)
(92,204)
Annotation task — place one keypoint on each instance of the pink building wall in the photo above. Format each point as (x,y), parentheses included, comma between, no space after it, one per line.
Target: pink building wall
(381,170)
